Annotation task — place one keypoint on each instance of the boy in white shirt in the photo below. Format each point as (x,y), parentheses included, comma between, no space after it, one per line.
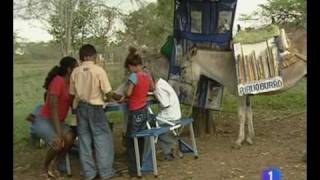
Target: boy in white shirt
(169,111)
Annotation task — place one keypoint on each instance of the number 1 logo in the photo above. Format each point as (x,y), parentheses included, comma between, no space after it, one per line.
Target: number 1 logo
(271,173)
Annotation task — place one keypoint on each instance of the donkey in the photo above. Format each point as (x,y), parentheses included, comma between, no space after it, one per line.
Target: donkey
(220,66)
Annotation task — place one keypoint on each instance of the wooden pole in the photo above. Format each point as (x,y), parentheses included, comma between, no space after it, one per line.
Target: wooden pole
(276,61)
(245,76)
(261,68)
(254,68)
(199,122)
(210,127)
(257,64)
(246,69)
(238,68)
(265,67)
(241,68)
(251,68)
(268,63)
(271,61)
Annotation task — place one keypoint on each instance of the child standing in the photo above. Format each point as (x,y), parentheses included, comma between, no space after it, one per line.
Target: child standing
(89,83)
(139,84)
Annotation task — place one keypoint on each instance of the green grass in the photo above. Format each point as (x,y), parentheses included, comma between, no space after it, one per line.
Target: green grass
(293,99)
(28,80)
(256,35)
(28,91)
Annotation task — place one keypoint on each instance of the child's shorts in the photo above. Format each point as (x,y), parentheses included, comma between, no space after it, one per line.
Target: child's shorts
(44,128)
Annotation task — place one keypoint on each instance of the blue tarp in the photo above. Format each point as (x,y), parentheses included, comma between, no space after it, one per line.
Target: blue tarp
(198,22)
(209,20)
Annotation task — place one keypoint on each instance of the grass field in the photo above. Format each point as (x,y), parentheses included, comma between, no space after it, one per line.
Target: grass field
(28,80)
(28,91)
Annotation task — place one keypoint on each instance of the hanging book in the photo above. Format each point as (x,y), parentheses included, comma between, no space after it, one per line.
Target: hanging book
(257,61)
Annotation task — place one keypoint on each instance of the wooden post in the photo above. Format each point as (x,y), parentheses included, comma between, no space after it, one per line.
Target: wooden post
(261,68)
(246,61)
(265,67)
(257,65)
(252,70)
(249,68)
(254,66)
(245,76)
(210,126)
(275,61)
(268,63)
(241,70)
(198,122)
(238,68)
(203,122)
(271,60)
(246,68)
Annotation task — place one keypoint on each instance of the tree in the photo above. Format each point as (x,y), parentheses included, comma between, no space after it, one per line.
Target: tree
(82,18)
(67,20)
(150,25)
(165,12)
(102,27)
(286,11)
(282,12)
(71,36)
(43,10)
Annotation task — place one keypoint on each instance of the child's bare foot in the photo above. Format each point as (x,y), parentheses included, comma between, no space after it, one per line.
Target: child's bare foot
(52,171)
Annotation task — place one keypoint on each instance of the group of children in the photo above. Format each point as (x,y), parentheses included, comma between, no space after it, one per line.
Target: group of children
(85,88)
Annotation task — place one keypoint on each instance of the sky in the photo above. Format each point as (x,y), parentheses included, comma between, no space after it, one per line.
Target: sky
(34,31)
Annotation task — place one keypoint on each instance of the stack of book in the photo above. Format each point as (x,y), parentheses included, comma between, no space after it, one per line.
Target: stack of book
(252,67)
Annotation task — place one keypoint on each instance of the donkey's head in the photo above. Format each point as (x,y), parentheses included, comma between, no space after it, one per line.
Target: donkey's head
(156,63)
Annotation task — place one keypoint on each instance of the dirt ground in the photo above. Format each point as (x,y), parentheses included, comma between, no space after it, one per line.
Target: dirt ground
(280,141)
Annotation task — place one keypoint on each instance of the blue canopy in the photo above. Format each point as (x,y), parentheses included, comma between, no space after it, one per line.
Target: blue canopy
(204,20)
(202,23)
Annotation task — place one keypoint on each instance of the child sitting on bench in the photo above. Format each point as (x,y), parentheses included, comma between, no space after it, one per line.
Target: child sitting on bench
(169,113)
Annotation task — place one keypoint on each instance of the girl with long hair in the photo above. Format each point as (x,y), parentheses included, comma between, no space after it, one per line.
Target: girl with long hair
(50,124)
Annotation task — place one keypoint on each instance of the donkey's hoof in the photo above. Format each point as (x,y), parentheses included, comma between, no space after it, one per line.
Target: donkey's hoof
(249,141)
(236,145)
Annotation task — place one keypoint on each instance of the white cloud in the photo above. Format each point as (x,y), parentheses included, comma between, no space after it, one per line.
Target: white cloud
(31,30)
(247,7)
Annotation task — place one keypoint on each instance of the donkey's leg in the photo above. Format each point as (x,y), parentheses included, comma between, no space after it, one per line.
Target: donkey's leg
(249,121)
(242,121)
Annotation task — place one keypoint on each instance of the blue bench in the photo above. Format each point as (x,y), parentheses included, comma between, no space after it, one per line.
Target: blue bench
(153,133)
